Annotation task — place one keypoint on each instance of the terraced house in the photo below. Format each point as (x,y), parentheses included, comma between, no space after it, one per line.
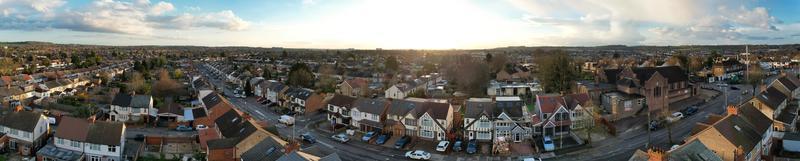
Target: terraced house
(369,114)
(339,107)
(27,131)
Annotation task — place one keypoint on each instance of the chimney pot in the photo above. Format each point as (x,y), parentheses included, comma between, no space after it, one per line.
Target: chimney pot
(732,110)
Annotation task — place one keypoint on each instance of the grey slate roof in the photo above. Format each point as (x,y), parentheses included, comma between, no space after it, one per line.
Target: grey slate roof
(694,150)
(772,97)
(373,106)
(266,150)
(22,120)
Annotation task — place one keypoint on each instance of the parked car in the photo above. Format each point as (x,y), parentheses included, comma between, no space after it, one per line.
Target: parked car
(691,110)
(655,125)
(341,137)
(307,137)
(457,145)
(442,146)
(400,143)
(734,88)
(532,159)
(183,128)
(548,144)
(368,136)
(201,127)
(675,117)
(418,155)
(382,139)
(286,119)
(472,146)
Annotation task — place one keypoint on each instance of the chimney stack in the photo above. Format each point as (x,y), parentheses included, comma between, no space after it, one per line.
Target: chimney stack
(732,110)
(655,155)
(762,88)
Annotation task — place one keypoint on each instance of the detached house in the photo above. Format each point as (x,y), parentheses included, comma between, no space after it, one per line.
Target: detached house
(357,87)
(559,115)
(339,107)
(431,121)
(95,140)
(125,107)
(27,131)
(304,101)
(369,114)
(396,117)
(660,86)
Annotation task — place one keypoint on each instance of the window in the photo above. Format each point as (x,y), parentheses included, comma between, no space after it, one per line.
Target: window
(59,141)
(94,146)
(657,91)
(112,148)
(426,122)
(14,132)
(484,124)
(76,144)
(427,133)
(94,158)
(411,122)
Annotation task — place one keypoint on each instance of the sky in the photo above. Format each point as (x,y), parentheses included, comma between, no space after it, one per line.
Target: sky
(401,24)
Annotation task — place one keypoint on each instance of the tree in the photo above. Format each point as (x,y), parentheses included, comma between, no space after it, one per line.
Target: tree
(468,75)
(695,64)
(755,76)
(428,67)
(327,81)
(488,58)
(556,72)
(76,60)
(248,88)
(391,64)
(46,62)
(165,86)
(177,73)
(137,83)
(7,66)
(498,62)
(710,59)
(300,75)
(266,73)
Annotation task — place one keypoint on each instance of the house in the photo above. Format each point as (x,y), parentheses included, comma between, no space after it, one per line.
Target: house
(618,105)
(95,140)
(742,134)
(396,117)
(581,110)
(479,119)
(275,93)
(552,116)
(267,150)
(215,105)
(398,91)
(304,101)
(511,119)
(513,73)
(126,108)
(431,121)
(369,114)
(659,85)
(788,85)
(27,131)
(357,87)
(339,107)
(512,89)
(724,69)
(238,134)
(436,121)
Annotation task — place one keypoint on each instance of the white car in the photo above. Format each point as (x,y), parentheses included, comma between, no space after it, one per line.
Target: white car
(677,115)
(201,127)
(418,155)
(342,137)
(442,146)
(548,144)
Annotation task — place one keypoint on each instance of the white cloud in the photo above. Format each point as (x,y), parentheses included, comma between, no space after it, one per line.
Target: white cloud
(139,17)
(601,22)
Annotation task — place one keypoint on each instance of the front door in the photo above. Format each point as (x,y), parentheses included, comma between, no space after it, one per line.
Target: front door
(12,145)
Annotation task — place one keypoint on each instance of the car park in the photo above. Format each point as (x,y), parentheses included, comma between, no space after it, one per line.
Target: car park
(472,146)
(548,144)
(418,155)
(442,146)
(382,139)
(341,137)
(368,136)
(400,143)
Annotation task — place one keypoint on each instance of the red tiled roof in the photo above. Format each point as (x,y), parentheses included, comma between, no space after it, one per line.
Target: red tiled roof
(549,104)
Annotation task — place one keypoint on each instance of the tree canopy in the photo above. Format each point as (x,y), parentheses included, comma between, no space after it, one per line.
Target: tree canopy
(556,72)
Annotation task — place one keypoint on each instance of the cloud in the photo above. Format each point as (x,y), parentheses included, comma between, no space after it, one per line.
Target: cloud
(597,22)
(140,17)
